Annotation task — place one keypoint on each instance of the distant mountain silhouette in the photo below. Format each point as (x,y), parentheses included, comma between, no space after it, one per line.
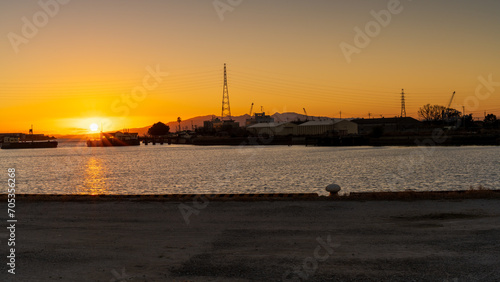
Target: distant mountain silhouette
(198,122)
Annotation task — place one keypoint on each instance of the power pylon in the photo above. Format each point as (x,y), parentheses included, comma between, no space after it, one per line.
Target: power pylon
(403,107)
(226,109)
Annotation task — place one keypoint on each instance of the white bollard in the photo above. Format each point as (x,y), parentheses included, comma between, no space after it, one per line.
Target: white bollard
(333,189)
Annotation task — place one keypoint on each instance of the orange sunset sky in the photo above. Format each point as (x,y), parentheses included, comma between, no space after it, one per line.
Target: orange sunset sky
(68,64)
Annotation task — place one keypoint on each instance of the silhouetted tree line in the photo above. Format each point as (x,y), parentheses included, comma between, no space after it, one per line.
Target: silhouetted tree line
(437,114)
(491,121)
(158,129)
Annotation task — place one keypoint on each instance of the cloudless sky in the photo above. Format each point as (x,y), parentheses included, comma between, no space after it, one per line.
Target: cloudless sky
(282,55)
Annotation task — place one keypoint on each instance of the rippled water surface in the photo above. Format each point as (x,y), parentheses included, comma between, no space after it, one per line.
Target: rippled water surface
(75,169)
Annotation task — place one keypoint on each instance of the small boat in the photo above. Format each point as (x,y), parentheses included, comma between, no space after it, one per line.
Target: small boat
(115,139)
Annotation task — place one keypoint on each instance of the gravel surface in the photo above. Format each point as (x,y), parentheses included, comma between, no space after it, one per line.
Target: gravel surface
(425,240)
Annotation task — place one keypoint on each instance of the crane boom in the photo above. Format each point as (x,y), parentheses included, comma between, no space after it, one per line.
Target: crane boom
(449,104)
(307,118)
(251,108)
(446,111)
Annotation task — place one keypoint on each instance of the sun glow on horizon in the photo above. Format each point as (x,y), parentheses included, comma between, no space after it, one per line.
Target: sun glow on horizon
(94,127)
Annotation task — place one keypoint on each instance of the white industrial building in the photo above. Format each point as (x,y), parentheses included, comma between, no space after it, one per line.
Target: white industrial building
(259,118)
(318,127)
(274,128)
(315,127)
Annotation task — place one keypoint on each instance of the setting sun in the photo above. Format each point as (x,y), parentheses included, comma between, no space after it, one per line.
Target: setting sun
(94,127)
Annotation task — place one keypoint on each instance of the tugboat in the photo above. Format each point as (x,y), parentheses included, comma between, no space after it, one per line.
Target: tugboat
(115,139)
(16,143)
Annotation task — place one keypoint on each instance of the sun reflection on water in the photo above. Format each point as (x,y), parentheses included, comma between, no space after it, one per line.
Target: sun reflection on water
(95,177)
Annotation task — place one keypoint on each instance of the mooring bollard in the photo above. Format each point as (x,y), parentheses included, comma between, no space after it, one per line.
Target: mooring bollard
(333,189)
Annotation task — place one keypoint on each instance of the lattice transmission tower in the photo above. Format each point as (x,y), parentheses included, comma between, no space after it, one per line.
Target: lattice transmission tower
(226,108)
(403,107)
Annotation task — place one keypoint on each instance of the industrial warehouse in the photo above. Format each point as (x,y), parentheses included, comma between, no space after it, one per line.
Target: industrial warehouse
(308,128)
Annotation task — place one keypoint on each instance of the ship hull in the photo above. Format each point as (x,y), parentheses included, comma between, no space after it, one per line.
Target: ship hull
(30,145)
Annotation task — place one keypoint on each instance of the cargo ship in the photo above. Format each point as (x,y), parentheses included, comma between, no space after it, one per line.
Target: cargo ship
(28,144)
(114,139)
(16,142)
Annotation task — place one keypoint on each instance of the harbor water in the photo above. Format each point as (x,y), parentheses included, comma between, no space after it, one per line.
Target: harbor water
(73,168)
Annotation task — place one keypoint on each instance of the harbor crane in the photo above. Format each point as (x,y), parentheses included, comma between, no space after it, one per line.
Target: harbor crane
(251,108)
(452,96)
(446,111)
(307,118)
